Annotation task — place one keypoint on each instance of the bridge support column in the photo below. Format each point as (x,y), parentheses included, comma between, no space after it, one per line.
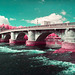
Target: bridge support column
(2,38)
(69,42)
(31,38)
(12,40)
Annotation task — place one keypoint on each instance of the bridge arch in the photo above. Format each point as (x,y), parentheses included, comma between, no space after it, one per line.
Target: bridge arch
(21,38)
(42,36)
(7,37)
(49,41)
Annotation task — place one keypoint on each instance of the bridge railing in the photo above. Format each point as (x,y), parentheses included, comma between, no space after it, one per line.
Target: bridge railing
(51,25)
(73,23)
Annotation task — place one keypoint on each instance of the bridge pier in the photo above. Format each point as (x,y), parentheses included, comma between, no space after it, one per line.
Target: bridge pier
(12,40)
(2,38)
(69,42)
(30,43)
(32,36)
(35,43)
(31,39)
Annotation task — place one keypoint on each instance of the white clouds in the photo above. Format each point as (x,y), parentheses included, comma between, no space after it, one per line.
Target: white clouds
(11,19)
(41,1)
(63,12)
(53,18)
(28,21)
(67,22)
(3,20)
(22,20)
(73,17)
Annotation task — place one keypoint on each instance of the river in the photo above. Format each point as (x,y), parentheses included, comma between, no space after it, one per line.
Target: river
(22,60)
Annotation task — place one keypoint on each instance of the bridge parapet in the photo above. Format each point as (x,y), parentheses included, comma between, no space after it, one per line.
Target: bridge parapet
(42,27)
(73,23)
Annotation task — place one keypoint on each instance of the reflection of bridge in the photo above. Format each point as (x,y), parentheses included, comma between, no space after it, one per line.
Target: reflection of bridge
(37,34)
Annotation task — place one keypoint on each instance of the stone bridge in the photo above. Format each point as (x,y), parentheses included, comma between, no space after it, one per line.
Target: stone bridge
(37,34)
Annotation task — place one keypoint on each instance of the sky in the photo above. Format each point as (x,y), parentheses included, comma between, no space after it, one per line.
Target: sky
(31,12)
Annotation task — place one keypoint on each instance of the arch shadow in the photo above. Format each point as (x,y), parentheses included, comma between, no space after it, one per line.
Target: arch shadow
(40,41)
(43,36)
(7,37)
(20,38)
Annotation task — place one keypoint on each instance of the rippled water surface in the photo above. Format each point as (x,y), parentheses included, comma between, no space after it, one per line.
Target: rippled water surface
(22,60)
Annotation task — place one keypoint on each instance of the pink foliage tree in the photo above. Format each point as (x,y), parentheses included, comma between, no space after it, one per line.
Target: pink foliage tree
(26,37)
(10,27)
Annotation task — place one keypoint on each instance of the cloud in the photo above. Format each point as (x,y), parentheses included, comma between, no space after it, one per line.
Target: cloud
(73,17)
(67,22)
(42,1)
(3,20)
(22,20)
(29,21)
(11,19)
(53,18)
(63,12)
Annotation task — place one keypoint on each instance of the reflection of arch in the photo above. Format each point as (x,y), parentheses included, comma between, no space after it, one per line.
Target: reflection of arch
(7,37)
(43,36)
(21,36)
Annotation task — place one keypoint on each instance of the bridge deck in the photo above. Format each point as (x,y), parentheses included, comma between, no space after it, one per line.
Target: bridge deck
(43,27)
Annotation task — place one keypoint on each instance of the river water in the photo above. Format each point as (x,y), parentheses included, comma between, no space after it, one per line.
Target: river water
(22,60)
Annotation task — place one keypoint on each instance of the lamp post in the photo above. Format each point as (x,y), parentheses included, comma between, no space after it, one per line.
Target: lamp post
(37,22)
